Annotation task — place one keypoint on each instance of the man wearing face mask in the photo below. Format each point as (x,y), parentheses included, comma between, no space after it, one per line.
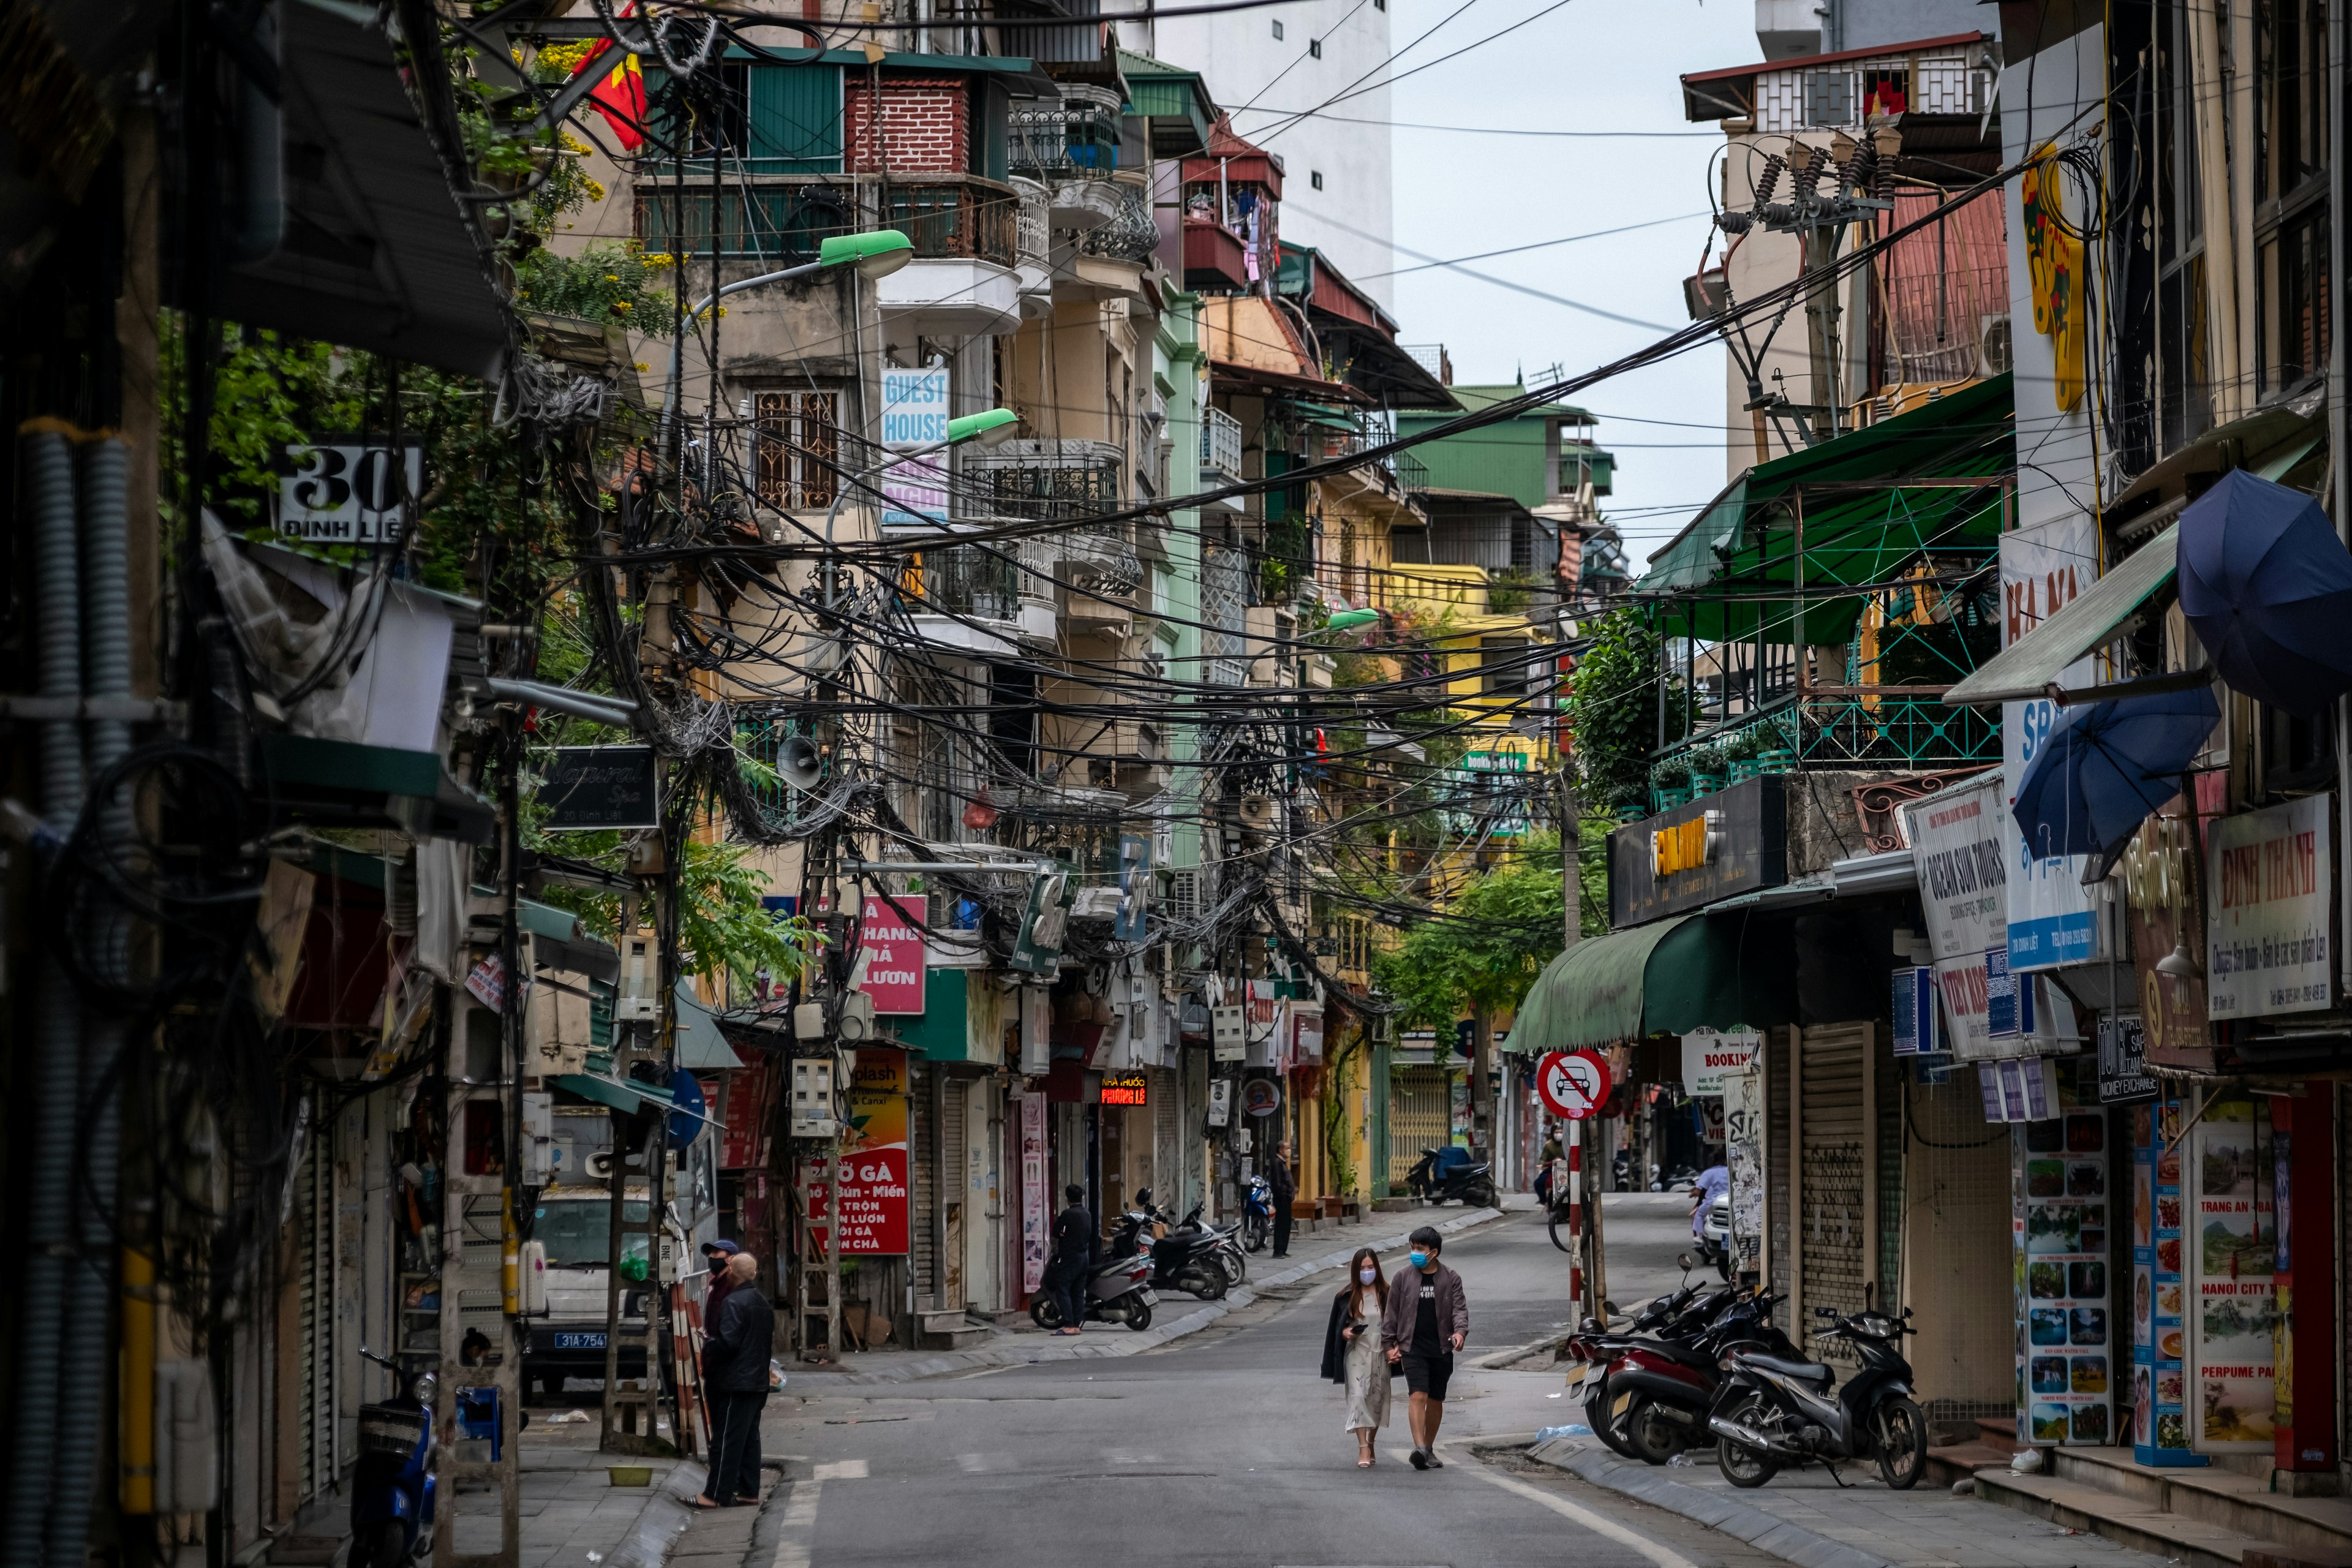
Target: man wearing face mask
(1428,1318)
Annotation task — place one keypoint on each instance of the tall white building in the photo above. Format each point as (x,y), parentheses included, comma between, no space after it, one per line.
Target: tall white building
(1265,68)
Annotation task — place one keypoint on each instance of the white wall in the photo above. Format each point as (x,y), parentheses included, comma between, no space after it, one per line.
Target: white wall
(1350,219)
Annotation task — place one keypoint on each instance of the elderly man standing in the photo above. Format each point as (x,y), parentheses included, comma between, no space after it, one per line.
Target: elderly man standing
(735,1377)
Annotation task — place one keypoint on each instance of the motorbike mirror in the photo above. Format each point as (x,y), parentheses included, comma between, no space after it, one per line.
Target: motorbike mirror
(1869,1295)
(1682,1261)
(1607,1305)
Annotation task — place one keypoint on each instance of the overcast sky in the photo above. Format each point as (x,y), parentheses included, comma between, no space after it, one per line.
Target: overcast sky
(1592,64)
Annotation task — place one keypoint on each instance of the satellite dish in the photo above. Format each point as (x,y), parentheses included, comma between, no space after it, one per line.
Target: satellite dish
(800,763)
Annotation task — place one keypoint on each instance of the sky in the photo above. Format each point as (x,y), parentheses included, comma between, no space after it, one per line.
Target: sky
(1591,64)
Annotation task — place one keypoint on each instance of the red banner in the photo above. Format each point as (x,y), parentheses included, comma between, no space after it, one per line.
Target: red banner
(874,1171)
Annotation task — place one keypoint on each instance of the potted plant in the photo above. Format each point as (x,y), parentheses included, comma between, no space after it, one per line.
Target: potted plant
(1670,784)
(1705,770)
(1630,804)
(1739,753)
(1779,754)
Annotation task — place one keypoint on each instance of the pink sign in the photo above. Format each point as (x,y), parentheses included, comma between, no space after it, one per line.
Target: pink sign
(890,942)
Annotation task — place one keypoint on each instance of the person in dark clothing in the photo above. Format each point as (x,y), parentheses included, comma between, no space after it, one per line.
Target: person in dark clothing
(714,1290)
(1281,1186)
(735,1377)
(1426,1321)
(1072,1266)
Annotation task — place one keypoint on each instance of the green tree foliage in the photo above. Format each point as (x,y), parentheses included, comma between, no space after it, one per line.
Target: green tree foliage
(1613,706)
(1486,947)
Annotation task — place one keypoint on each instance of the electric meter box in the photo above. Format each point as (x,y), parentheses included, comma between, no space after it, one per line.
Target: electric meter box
(815,1102)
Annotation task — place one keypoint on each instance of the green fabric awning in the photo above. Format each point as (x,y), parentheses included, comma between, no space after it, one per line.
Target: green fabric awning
(1863,523)
(1671,976)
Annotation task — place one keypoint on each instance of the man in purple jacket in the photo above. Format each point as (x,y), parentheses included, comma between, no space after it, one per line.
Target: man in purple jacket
(1426,1321)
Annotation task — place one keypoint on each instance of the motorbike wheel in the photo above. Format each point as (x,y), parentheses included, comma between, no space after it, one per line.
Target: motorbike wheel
(1654,1437)
(1207,1283)
(1596,1416)
(385,1545)
(1139,1316)
(1235,1264)
(1484,1196)
(1045,1311)
(1560,1236)
(1742,1466)
(1900,1433)
(1253,1233)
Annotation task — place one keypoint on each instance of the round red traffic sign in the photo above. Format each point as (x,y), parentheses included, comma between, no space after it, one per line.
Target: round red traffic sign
(1573,1086)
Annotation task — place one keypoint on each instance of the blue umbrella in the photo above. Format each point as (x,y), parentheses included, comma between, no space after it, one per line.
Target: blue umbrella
(2105,766)
(2268,587)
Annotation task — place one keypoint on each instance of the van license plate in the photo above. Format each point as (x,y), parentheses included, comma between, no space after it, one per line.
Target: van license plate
(578,1341)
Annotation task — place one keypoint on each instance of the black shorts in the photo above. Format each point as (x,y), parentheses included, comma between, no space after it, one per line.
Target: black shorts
(1428,1374)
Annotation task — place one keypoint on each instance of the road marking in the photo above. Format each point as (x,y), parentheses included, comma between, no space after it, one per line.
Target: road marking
(981,1464)
(1665,1557)
(841,1471)
(798,1522)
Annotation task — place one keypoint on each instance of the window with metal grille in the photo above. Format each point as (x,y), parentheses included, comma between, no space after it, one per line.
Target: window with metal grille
(1829,98)
(799,444)
(1225,594)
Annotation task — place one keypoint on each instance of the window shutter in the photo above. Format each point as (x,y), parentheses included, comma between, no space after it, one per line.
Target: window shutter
(795,119)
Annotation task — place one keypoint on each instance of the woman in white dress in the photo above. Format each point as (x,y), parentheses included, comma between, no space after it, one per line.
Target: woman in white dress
(1351,1350)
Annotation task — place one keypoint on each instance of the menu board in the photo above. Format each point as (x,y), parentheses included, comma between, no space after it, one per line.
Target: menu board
(2065,1349)
(2233,1396)
(2160,1393)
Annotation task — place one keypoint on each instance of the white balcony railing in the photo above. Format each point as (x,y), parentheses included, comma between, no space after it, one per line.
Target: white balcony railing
(1221,444)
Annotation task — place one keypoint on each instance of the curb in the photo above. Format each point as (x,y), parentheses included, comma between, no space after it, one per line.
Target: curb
(666,1516)
(1127,1344)
(1765,1531)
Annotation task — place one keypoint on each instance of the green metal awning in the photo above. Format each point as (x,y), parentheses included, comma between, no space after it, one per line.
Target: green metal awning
(1671,976)
(2090,620)
(627,1094)
(1866,512)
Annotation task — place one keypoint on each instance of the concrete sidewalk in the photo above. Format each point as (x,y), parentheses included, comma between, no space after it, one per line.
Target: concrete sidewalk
(571,1509)
(1104,1340)
(1806,1517)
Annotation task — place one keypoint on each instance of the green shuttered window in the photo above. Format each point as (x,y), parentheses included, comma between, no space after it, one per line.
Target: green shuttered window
(795,119)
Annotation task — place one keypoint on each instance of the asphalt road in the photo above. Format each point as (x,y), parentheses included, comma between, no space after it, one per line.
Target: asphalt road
(1225,1447)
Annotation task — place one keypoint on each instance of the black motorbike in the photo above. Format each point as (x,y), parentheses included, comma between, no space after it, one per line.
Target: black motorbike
(1777,1411)
(1660,1391)
(1180,1260)
(1473,1184)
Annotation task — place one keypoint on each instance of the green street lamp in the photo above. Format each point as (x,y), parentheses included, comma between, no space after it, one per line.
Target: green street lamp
(875,255)
(1349,620)
(991,428)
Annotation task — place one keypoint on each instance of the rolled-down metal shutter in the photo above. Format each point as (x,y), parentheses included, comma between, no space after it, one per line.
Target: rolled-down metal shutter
(315,1234)
(1167,1141)
(954,1185)
(1419,1118)
(1832,1238)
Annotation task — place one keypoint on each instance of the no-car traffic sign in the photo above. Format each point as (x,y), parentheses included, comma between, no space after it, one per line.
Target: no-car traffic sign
(1573,1085)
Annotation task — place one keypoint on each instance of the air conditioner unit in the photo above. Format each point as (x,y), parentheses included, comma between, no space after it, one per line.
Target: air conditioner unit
(1259,812)
(857,1025)
(1993,356)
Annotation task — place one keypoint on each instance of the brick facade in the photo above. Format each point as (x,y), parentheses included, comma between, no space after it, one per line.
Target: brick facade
(924,129)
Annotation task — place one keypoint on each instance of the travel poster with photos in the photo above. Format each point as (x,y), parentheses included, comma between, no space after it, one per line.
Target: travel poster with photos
(2160,1329)
(2231,1253)
(2067,1353)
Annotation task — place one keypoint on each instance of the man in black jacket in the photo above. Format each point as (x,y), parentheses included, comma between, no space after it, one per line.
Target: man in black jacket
(735,1350)
(1281,1186)
(1070,1270)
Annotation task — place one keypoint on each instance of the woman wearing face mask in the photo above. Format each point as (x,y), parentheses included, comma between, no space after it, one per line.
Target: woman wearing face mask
(1352,1350)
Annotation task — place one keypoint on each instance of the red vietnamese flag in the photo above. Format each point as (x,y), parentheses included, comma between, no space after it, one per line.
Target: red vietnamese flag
(620,98)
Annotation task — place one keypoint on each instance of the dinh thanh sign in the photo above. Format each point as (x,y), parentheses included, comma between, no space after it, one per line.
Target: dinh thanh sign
(1733,841)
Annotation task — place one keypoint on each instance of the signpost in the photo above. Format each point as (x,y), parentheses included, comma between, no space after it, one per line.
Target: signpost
(592,788)
(1573,1086)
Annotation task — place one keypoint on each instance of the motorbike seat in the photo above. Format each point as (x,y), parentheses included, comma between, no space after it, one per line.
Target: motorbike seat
(1805,1371)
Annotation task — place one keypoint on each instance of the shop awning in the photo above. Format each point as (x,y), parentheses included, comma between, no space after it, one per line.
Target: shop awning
(1670,976)
(2027,667)
(1872,502)
(630,1095)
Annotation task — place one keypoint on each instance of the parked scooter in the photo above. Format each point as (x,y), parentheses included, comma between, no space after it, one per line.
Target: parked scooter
(1180,1260)
(1226,1249)
(1258,1215)
(1443,1173)
(1119,1292)
(1599,1343)
(1777,1410)
(394,1483)
(1660,1391)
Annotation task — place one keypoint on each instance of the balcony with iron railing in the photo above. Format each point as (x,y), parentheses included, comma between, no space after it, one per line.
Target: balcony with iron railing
(783,221)
(965,580)
(1075,139)
(1221,449)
